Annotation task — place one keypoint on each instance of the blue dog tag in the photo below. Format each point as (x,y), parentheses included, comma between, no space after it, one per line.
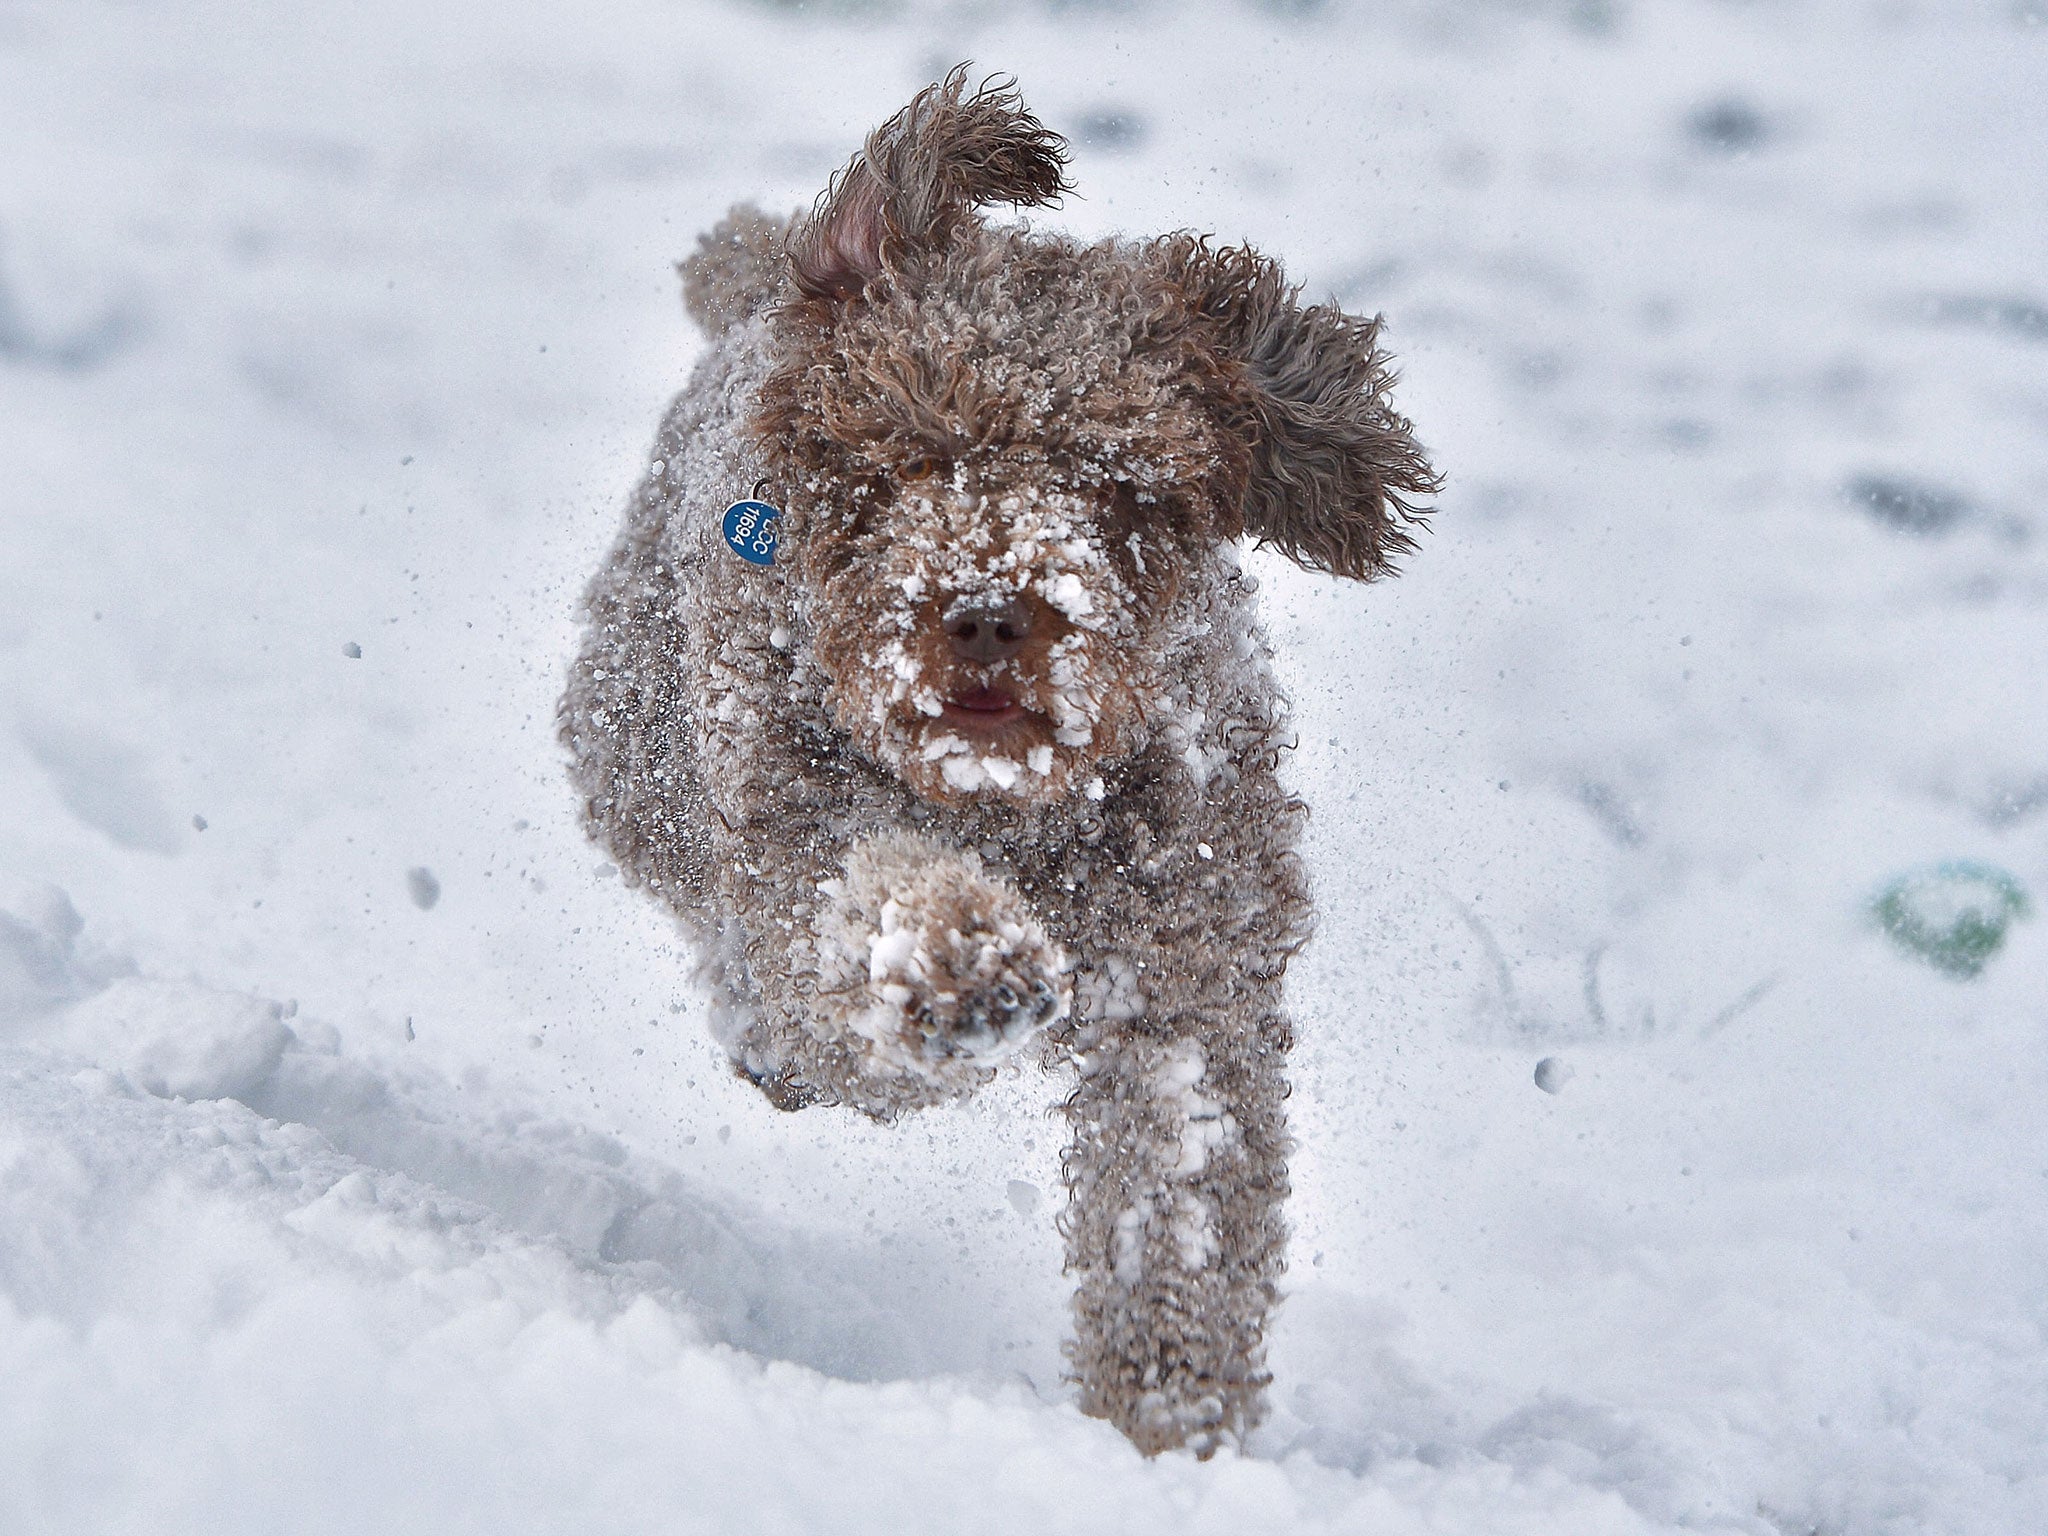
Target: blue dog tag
(752,528)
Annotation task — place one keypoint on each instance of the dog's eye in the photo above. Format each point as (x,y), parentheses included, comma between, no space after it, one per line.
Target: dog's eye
(924,467)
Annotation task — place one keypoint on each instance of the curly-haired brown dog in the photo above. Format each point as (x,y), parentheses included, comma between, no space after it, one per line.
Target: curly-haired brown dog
(986,758)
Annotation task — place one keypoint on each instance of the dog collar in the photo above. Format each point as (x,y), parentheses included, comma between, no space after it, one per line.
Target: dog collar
(752,530)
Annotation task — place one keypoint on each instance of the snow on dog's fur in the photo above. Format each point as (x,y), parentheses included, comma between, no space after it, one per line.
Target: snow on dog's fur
(986,759)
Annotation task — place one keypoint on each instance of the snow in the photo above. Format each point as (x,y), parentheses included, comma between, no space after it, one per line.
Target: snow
(330,342)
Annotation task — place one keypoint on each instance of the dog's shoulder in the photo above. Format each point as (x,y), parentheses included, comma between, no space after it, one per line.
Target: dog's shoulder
(737,269)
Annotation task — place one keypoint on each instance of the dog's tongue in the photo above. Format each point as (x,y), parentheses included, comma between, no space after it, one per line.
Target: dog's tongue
(992,700)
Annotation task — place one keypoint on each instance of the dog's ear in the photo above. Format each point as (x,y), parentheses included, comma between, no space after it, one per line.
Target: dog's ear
(921,173)
(736,270)
(1336,476)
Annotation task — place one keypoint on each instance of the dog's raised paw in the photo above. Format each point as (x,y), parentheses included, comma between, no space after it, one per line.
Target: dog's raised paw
(953,974)
(973,996)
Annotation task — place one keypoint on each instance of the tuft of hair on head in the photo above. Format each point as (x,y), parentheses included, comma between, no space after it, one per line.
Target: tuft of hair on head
(921,175)
(1336,478)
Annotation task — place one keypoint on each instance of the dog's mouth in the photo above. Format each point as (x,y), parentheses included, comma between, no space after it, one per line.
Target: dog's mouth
(983,711)
(987,738)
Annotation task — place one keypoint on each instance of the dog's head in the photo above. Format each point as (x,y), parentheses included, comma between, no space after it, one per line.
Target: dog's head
(1004,454)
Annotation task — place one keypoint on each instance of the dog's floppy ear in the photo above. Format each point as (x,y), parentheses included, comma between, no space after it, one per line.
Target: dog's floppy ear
(924,170)
(736,270)
(1336,473)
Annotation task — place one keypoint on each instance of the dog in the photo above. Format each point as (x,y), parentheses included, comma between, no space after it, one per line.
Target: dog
(924,685)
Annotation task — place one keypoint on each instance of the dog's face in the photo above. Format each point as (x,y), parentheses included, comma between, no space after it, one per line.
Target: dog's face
(1003,455)
(1001,478)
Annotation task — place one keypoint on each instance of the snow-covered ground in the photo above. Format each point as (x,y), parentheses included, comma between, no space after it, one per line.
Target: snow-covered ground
(364,1164)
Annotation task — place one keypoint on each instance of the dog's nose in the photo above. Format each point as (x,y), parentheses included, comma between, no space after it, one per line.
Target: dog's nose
(989,634)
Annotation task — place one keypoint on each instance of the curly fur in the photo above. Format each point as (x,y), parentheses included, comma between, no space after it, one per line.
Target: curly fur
(906,854)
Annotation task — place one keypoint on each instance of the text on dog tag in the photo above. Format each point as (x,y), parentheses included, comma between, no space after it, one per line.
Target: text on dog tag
(752,529)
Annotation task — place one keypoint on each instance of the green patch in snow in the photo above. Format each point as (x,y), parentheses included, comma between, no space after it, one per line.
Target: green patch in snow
(1953,916)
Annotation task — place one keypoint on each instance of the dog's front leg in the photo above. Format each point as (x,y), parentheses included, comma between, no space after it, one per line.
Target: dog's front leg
(1174,1231)
(915,972)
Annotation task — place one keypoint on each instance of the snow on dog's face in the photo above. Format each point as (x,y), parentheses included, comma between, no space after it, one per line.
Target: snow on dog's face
(996,478)
(1001,453)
